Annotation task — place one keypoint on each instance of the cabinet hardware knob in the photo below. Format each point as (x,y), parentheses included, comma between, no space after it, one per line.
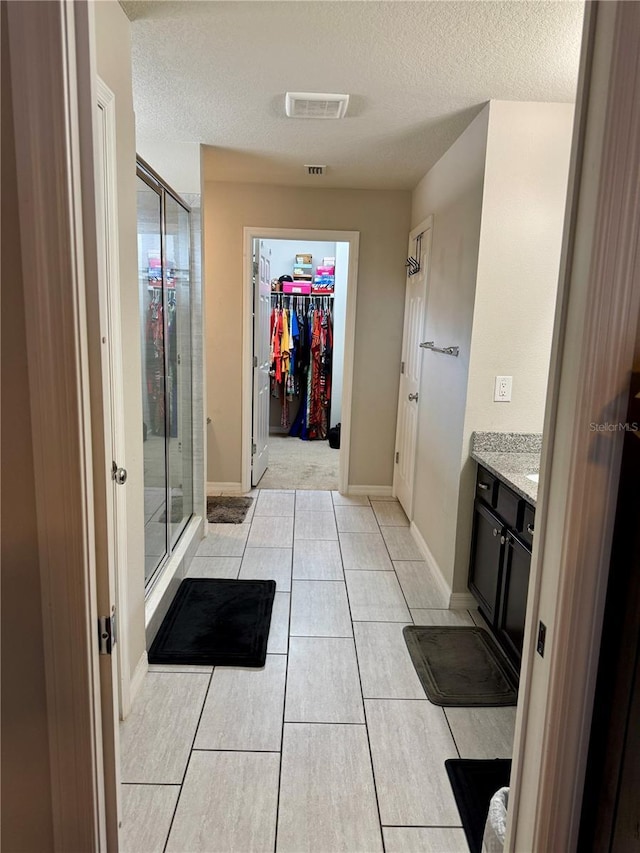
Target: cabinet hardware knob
(530,528)
(495,531)
(503,539)
(484,486)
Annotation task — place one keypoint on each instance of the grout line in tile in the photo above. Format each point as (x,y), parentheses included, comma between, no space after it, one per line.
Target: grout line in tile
(153,784)
(184,775)
(284,698)
(258,751)
(364,709)
(421,826)
(453,737)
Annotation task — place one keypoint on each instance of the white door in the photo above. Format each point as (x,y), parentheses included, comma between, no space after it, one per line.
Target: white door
(415,306)
(111,585)
(261,362)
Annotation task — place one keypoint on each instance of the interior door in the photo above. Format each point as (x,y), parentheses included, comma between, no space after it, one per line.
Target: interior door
(261,361)
(411,367)
(110,569)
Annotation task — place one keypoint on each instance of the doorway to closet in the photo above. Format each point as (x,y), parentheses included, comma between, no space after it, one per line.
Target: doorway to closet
(299,319)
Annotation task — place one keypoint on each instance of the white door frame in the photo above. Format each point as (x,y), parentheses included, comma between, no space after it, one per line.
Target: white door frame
(113,382)
(425,227)
(592,359)
(252,233)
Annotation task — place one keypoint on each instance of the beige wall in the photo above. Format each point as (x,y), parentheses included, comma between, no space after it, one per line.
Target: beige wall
(498,199)
(452,192)
(113,46)
(26,795)
(382,218)
(525,188)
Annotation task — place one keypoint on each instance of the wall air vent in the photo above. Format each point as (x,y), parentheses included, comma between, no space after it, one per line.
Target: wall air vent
(315,170)
(315,105)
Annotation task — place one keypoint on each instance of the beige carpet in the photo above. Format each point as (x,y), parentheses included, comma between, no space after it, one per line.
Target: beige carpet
(296,464)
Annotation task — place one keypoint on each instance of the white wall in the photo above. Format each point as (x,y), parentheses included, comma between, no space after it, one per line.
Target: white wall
(177,163)
(498,199)
(525,187)
(452,192)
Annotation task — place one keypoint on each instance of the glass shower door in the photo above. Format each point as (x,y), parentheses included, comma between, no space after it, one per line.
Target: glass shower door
(179,387)
(152,311)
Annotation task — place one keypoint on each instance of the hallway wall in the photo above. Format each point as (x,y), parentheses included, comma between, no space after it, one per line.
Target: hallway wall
(382,218)
(27,823)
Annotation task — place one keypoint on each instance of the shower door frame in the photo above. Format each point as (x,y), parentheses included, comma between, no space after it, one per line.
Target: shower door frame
(156,183)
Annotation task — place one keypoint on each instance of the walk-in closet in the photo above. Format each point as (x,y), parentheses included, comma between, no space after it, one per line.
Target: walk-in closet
(300,295)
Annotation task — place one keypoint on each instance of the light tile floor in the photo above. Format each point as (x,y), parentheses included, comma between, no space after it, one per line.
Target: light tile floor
(333,746)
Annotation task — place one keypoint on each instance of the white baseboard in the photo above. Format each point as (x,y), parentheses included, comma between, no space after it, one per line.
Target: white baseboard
(430,560)
(138,677)
(462,601)
(227,488)
(372,491)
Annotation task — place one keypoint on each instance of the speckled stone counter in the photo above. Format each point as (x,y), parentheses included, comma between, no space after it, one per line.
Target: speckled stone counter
(510,457)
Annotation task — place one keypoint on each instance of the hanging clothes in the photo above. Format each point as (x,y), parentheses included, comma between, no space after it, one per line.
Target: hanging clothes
(311,363)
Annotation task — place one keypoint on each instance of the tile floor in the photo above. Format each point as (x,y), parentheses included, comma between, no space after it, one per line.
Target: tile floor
(333,746)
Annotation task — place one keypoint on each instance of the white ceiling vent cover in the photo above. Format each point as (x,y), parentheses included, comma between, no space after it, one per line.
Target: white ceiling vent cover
(315,105)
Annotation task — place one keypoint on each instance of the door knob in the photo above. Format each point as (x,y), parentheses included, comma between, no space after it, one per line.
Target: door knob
(413,396)
(119,475)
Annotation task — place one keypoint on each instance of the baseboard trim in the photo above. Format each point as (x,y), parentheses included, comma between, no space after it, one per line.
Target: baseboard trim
(137,678)
(372,491)
(231,488)
(430,560)
(462,601)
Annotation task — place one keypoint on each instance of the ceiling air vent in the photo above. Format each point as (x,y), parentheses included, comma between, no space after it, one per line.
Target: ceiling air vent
(315,170)
(312,105)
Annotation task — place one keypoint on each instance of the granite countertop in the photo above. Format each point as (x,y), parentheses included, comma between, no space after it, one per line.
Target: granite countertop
(510,457)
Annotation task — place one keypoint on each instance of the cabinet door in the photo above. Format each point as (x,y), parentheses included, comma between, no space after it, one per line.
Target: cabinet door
(486,560)
(517,563)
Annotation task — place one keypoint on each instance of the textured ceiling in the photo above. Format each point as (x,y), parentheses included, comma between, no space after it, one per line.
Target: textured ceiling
(417,72)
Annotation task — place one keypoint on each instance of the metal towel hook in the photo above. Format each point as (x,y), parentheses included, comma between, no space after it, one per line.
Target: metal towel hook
(413,264)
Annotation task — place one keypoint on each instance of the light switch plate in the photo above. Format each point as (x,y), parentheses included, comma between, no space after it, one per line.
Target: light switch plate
(502,390)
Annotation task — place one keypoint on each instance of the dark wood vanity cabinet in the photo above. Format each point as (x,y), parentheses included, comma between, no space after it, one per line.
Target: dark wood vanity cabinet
(500,561)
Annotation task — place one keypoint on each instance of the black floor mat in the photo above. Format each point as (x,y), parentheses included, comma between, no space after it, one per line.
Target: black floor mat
(474,782)
(216,622)
(460,666)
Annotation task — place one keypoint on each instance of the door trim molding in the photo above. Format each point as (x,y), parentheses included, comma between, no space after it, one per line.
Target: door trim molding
(591,364)
(256,233)
(51,67)
(111,327)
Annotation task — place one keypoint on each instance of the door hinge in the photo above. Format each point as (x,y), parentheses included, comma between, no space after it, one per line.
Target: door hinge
(255,361)
(402,367)
(254,449)
(397,456)
(107,633)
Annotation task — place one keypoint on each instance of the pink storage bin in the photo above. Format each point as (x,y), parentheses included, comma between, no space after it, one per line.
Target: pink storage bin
(326,271)
(303,288)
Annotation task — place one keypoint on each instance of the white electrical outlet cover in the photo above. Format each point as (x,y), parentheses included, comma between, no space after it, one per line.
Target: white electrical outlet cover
(502,389)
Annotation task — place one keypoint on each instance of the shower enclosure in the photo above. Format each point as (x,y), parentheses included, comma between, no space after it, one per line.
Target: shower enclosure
(164,243)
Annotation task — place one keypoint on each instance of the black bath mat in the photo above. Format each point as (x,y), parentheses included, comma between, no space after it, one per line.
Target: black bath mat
(216,622)
(460,666)
(225,509)
(474,782)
